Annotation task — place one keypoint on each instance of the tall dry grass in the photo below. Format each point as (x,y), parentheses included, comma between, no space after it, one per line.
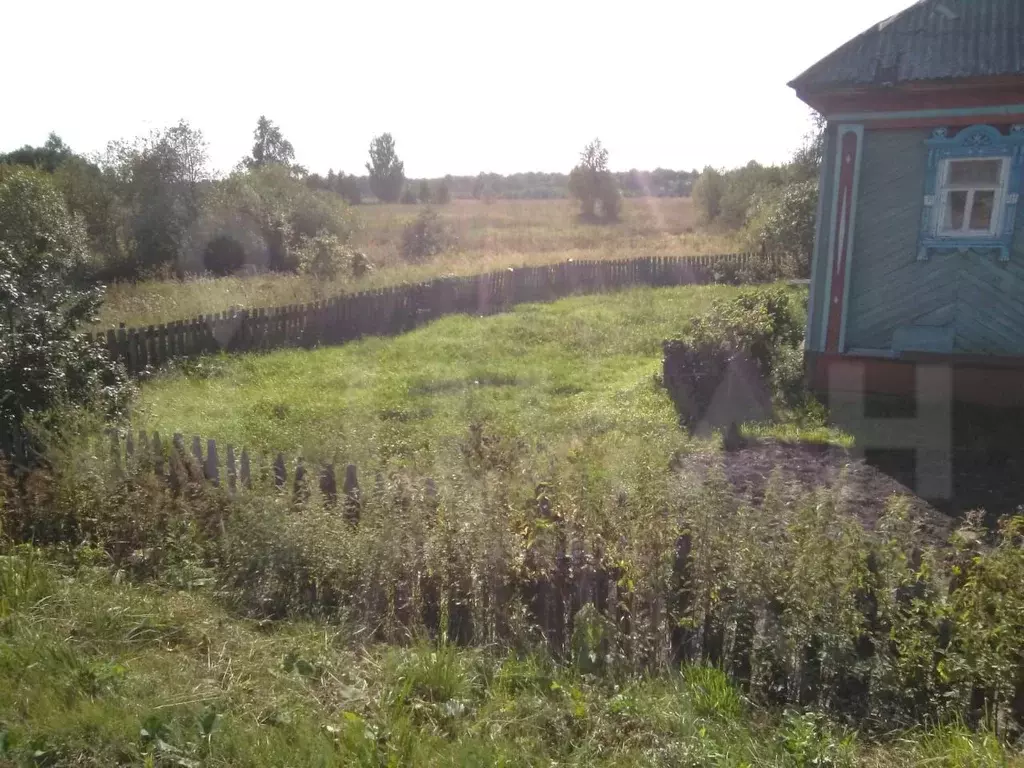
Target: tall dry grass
(486,237)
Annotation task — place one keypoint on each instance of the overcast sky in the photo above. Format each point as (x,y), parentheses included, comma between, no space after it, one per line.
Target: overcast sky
(464,87)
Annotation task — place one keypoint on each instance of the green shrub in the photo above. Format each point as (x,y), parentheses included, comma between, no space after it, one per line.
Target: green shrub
(223,255)
(46,299)
(425,237)
(783,221)
(758,326)
(323,257)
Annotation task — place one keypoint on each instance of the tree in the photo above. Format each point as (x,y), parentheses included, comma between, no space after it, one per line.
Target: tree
(269,146)
(408,197)
(93,194)
(348,187)
(161,181)
(783,222)
(387,172)
(46,298)
(424,193)
(708,193)
(444,194)
(270,213)
(594,186)
(46,158)
(807,160)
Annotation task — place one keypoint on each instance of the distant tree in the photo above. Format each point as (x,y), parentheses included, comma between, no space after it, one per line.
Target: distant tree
(594,186)
(269,146)
(807,160)
(408,197)
(46,297)
(444,194)
(46,158)
(707,194)
(478,187)
(94,195)
(348,187)
(161,180)
(387,172)
(424,192)
(742,187)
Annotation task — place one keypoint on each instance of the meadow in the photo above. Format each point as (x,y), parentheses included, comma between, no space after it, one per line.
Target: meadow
(574,376)
(486,236)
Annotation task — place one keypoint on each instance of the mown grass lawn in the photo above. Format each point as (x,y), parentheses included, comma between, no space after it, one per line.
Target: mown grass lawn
(569,378)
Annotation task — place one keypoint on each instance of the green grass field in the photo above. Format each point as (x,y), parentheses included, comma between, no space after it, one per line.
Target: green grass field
(578,373)
(94,672)
(487,236)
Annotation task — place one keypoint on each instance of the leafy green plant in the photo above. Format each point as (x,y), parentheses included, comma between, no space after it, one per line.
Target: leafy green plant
(425,237)
(46,298)
(761,326)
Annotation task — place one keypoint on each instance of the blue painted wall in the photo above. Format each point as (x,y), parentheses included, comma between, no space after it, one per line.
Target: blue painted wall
(970,303)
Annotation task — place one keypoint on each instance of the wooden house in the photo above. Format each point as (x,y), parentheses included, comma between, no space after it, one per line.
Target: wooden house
(919,252)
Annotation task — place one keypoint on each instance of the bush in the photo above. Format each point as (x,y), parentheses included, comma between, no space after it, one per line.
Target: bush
(783,222)
(425,237)
(223,255)
(323,257)
(408,197)
(708,191)
(276,210)
(753,331)
(46,298)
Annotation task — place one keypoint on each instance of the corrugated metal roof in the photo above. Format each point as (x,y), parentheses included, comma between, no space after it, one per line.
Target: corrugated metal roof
(931,40)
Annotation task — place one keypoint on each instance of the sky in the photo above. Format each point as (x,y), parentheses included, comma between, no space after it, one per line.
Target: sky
(463,86)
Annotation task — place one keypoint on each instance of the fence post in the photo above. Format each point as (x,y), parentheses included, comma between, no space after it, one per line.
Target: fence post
(329,485)
(230,469)
(246,477)
(280,474)
(158,455)
(299,491)
(352,495)
(212,465)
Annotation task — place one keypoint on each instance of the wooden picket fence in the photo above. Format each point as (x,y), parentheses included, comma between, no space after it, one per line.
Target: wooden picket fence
(389,311)
(238,470)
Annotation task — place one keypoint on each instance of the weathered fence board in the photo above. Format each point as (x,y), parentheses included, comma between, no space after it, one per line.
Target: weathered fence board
(401,308)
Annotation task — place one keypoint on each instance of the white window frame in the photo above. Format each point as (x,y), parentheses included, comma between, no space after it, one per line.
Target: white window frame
(945,189)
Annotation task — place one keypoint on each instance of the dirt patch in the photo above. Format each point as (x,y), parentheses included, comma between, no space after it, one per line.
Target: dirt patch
(803,467)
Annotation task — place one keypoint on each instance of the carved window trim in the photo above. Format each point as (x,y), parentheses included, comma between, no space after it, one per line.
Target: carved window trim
(975,142)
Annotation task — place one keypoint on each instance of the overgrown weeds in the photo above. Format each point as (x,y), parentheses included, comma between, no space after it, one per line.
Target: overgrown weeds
(96,670)
(794,600)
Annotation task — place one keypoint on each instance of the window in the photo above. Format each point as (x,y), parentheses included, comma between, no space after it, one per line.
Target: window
(971,190)
(971,195)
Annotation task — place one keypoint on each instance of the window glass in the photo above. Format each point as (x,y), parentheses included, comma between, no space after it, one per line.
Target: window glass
(956,207)
(981,211)
(975,172)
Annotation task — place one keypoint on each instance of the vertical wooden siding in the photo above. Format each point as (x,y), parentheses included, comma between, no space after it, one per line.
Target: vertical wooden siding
(977,297)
